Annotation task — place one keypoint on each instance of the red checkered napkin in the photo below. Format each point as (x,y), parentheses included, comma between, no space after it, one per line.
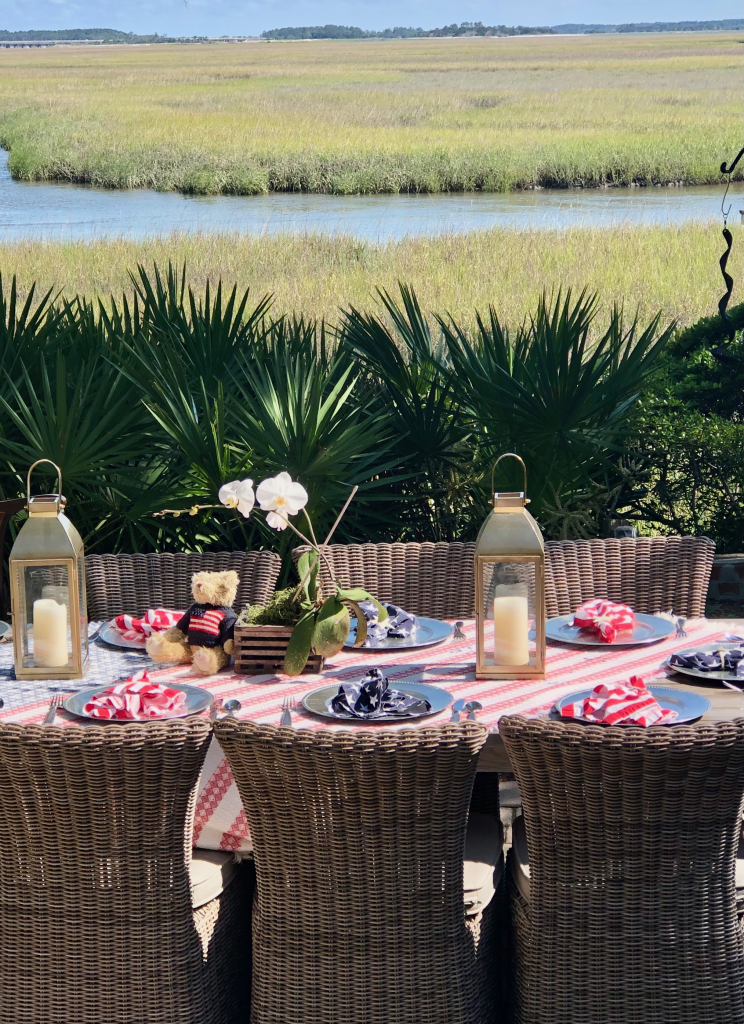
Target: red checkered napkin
(620,704)
(605,618)
(155,620)
(135,699)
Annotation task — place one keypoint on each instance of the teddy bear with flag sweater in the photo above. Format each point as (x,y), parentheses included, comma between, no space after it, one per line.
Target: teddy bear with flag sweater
(203,636)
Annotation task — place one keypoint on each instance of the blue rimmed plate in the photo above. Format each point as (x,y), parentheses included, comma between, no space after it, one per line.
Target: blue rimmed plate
(649,629)
(688,705)
(318,702)
(427,633)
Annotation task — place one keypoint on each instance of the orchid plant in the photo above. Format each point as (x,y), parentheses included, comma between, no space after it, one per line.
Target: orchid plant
(324,622)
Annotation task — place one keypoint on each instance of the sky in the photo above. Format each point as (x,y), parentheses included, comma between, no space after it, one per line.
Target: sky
(251,17)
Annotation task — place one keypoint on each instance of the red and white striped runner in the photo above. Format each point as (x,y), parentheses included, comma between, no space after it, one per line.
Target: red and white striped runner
(220,822)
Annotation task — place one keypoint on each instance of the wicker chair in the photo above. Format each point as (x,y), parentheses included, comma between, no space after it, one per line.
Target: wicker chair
(651,574)
(96,918)
(426,579)
(8,509)
(134,583)
(628,913)
(358,839)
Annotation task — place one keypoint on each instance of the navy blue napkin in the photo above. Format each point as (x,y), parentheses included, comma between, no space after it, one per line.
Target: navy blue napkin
(373,698)
(717,661)
(399,623)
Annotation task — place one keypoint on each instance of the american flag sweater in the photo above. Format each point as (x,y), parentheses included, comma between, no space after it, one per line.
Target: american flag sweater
(207,625)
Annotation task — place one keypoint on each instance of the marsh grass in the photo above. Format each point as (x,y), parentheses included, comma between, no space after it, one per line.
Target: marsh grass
(669,269)
(376,116)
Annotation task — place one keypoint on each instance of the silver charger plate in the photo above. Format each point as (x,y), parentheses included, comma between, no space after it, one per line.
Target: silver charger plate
(716,675)
(5,628)
(318,702)
(109,634)
(649,629)
(687,704)
(197,699)
(427,633)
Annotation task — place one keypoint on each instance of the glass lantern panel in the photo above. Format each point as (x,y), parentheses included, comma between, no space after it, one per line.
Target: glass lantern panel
(46,641)
(82,611)
(509,612)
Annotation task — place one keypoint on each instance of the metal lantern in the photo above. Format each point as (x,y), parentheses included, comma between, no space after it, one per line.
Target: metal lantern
(510,588)
(47,591)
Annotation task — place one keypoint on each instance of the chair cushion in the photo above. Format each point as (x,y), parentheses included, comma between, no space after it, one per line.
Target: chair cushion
(520,857)
(483,863)
(211,872)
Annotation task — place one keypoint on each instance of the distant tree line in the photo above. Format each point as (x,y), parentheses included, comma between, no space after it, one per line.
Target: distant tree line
(98,35)
(466,28)
(477,28)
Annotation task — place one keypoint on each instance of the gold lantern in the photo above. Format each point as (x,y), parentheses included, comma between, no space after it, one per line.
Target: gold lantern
(510,588)
(47,591)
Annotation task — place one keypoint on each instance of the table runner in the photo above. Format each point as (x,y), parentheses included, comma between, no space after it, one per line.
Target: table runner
(220,822)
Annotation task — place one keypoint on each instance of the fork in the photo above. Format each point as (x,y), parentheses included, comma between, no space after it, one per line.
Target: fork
(289,704)
(54,703)
(681,634)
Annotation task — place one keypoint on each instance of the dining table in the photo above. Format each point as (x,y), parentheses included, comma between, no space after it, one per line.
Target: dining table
(220,821)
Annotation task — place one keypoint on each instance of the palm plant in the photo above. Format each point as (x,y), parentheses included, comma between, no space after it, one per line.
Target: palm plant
(553,392)
(409,376)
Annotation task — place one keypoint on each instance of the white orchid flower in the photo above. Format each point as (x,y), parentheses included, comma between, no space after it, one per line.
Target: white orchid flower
(281,497)
(276,522)
(238,494)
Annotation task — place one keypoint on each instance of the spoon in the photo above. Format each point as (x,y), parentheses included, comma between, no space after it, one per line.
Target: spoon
(231,706)
(456,709)
(472,707)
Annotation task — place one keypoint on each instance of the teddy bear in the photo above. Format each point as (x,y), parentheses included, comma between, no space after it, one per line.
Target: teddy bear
(204,634)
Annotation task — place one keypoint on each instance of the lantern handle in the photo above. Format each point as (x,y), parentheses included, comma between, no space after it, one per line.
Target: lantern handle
(59,479)
(510,455)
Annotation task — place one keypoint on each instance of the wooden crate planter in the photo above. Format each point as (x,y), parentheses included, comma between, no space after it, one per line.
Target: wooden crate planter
(260,650)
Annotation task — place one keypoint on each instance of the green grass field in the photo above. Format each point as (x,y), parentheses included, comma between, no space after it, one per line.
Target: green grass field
(672,269)
(376,116)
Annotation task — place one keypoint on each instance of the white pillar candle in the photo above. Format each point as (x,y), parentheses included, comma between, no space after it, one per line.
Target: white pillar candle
(50,634)
(510,629)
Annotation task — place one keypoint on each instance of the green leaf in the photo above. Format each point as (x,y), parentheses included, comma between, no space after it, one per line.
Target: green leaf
(300,643)
(331,628)
(361,630)
(357,594)
(306,559)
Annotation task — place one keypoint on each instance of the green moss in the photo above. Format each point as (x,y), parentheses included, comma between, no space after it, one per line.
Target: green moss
(282,610)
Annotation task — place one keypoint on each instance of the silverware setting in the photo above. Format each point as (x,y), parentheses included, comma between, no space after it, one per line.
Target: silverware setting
(54,703)
(289,704)
(472,707)
(231,707)
(216,708)
(457,707)
(681,634)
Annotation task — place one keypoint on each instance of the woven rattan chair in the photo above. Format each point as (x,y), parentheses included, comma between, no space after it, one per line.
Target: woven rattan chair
(426,579)
(651,574)
(358,838)
(96,918)
(630,916)
(8,509)
(134,583)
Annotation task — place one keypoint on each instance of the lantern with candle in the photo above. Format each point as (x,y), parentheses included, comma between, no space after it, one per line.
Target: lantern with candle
(510,588)
(47,591)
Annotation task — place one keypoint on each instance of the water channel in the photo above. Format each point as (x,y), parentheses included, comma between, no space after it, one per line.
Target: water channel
(70,212)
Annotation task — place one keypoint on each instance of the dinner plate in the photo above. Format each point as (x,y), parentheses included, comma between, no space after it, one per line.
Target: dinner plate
(5,628)
(649,629)
(716,675)
(318,703)
(197,700)
(427,633)
(109,634)
(688,705)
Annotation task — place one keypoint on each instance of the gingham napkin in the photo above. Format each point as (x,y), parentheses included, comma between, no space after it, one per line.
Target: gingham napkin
(620,704)
(135,699)
(606,618)
(155,620)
